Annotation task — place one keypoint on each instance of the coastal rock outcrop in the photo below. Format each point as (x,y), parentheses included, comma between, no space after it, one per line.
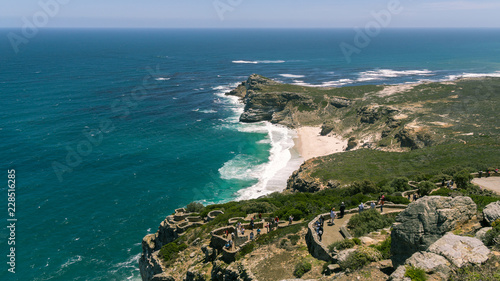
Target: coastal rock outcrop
(460,250)
(491,212)
(425,221)
(430,262)
(234,272)
(300,180)
(371,114)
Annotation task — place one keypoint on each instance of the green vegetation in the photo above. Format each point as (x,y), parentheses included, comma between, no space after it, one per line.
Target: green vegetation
(294,238)
(302,268)
(248,248)
(359,258)
(368,221)
(487,271)
(384,248)
(397,199)
(279,233)
(425,187)
(344,244)
(194,207)
(171,250)
(420,164)
(415,274)
(299,205)
(462,178)
(492,237)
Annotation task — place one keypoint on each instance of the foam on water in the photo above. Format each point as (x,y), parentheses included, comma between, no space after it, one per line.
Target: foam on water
(292,76)
(257,61)
(380,74)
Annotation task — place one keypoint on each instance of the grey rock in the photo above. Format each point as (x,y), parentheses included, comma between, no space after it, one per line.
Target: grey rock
(332,268)
(339,102)
(491,212)
(481,234)
(162,277)
(192,255)
(194,275)
(425,221)
(343,255)
(461,250)
(430,262)
(399,274)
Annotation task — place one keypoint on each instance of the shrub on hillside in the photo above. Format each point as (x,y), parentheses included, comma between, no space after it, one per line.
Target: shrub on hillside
(341,245)
(492,237)
(397,199)
(302,268)
(369,221)
(415,273)
(170,251)
(462,178)
(400,184)
(425,187)
(384,248)
(364,187)
(294,238)
(194,207)
(258,207)
(361,257)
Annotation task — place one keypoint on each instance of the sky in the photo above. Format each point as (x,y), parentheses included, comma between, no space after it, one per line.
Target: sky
(248,13)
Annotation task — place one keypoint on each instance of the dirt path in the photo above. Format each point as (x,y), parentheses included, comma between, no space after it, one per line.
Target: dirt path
(491,183)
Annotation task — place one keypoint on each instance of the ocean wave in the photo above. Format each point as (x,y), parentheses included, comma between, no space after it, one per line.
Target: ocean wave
(71,261)
(292,76)
(258,61)
(273,175)
(162,79)
(380,74)
(472,75)
(335,83)
(231,102)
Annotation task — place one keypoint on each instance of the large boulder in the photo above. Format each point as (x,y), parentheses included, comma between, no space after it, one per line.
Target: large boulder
(461,250)
(491,212)
(481,234)
(425,221)
(431,263)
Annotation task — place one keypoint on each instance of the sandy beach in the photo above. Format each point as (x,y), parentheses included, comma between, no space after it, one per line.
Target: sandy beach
(311,144)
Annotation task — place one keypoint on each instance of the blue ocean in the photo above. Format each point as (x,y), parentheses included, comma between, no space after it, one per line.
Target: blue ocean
(110,130)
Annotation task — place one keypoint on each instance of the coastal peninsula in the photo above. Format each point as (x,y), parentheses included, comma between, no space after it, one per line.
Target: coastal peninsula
(404,179)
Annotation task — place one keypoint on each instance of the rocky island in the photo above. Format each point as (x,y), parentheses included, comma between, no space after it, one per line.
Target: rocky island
(418,145)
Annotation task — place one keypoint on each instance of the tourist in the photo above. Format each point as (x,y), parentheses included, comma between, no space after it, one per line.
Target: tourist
(251,235)
(226,233)
(372,205)
(238,225)
(488,173)
(320,233)
(361,207)
(321,220)
(229,244)
(415,196)
(496,171)
(290,220)
(442,182)
(251,224)
(382,206)
(242,231)
(260,216)
(332,215)
(232,235)
(409,197)
(258,231)
(342,210)
(480,174)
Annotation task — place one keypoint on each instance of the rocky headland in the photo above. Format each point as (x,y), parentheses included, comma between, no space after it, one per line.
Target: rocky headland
(398,141)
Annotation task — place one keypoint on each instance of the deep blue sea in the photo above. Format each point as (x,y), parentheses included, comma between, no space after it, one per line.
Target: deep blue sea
(110,130)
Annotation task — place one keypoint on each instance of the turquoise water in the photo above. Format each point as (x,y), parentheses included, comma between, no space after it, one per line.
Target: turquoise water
(144,112)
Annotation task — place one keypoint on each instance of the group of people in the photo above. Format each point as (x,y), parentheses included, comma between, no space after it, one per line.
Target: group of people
(488,172)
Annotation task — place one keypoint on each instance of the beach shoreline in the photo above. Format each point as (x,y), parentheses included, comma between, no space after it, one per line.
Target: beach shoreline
(310,143)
